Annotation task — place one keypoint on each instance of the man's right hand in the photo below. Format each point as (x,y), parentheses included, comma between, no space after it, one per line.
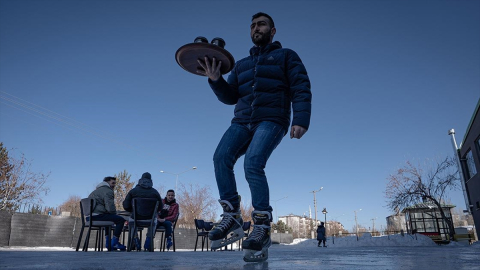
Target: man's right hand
(212,71)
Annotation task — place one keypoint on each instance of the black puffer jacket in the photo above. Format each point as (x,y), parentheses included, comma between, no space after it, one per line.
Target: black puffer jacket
(264,84)
(144,189)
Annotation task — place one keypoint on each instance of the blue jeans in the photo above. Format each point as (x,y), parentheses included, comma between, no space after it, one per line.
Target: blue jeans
(168,227)
(257,143)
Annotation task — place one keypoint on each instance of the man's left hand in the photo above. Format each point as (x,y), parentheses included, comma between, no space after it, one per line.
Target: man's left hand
(297,132)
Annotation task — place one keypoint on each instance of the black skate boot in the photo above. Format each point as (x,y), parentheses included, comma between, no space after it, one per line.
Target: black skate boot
(231,224)
(257,243)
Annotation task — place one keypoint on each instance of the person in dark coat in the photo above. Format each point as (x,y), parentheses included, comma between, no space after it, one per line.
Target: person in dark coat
(144,189)
(265,87)
(321,234)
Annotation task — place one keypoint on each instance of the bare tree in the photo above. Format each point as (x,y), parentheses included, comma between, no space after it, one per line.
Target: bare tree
(162,190)
(195,202)
(411,185)
(72,205)
(246,209)
(18,184)
(123,186)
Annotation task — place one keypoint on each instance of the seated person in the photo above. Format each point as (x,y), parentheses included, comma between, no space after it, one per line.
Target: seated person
(105,210)
(167,216)
(144,189)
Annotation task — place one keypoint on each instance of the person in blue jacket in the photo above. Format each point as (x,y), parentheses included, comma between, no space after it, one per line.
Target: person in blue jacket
(321,235)
(265,88)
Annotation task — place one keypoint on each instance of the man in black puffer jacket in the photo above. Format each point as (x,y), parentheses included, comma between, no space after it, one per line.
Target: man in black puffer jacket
(144,189)
(263,87)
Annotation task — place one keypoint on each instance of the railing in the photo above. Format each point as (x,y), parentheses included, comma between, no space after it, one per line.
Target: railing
(374,234)
(38,209)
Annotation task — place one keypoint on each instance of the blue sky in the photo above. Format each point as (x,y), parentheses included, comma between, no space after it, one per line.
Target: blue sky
(92,88)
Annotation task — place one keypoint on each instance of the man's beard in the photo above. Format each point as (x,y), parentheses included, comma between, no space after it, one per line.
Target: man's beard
(263,40)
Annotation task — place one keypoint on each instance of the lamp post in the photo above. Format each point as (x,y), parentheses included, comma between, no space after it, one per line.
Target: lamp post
(315,203)
(177,174)
(276,211)
(324,211)
(356,224)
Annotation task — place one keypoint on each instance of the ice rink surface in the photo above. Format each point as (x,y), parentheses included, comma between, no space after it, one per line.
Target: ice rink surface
(300,255)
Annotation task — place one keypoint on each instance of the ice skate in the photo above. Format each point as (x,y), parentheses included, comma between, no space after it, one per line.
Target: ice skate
(256,245)
(230,228)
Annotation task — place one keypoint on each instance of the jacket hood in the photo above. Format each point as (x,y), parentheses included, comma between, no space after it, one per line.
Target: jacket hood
(267,48)
(145,183)
(102,184)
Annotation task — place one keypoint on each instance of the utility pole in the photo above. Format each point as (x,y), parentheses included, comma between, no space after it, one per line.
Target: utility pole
(373,228)
(356,223)
(315,203)
(451,132)
(276,211)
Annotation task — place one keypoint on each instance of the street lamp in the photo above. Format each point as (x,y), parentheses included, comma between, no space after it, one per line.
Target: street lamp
(315,203)
(276,211)
(356,224)
(177,174)
(324,211)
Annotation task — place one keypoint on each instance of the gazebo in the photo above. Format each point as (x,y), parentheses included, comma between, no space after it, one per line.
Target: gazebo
(425,218)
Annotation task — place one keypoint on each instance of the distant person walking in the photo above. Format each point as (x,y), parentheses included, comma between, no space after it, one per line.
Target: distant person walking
(321,235)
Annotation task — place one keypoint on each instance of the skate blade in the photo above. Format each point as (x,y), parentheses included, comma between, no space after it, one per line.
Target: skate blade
(237,234)
(251,255)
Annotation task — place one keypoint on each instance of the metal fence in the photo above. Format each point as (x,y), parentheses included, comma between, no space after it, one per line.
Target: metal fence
(374,234)
(38,209)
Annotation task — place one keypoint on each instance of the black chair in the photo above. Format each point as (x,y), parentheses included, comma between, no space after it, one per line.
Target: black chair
(162,230)
(144,216)
(125,229)
(86,209)
(207,226)
(246,230)
(200,228)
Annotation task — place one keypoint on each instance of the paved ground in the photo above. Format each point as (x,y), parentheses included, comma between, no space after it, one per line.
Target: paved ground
(281,257)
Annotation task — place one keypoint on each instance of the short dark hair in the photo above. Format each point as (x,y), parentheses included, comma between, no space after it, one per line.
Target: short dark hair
(259,14)
(108,178)
(170,190)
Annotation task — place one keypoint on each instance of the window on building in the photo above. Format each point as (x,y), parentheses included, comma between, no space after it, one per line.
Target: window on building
(431,225)
(472,170)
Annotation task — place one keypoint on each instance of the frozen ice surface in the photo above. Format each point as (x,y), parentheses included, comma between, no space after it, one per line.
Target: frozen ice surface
(394,252)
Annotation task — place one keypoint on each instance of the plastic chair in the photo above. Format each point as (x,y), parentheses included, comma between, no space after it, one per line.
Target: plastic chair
(86,208)
(200,228)
(162,230)
(208,226)
(144,216)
